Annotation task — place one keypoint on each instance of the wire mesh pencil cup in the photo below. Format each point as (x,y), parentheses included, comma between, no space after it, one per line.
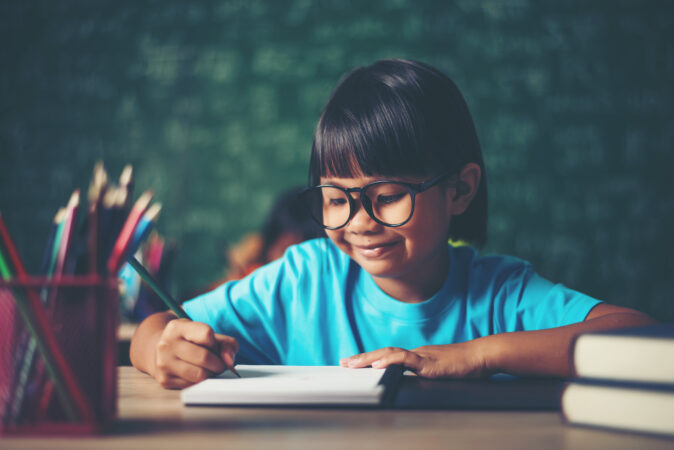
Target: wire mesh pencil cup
(82,316)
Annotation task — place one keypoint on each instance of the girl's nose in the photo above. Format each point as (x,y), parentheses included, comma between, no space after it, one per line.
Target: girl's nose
(361,222)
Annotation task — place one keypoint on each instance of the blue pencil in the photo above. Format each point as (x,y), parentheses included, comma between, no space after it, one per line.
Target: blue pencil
(143,229)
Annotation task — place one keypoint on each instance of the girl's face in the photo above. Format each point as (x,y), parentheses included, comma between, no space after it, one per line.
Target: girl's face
(409,262)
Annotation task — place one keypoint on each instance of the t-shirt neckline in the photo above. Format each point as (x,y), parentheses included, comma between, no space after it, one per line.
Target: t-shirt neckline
(388,306)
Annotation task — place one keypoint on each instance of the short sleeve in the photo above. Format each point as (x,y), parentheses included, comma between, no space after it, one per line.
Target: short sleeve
(527,301)
(250,310)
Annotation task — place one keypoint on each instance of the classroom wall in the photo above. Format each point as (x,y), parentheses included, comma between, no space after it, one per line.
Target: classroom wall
(215,102)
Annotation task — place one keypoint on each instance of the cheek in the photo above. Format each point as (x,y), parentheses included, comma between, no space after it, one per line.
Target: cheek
(335,236)
(428,228)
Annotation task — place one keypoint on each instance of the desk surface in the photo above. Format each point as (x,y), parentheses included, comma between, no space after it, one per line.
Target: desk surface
(151,417)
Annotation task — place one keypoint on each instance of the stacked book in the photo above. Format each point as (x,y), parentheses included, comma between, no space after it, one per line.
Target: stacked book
(624,380)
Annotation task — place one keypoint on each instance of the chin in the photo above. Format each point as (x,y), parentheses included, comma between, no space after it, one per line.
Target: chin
(381,269)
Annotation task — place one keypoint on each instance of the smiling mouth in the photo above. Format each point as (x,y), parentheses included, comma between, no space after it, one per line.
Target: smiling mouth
(373,251)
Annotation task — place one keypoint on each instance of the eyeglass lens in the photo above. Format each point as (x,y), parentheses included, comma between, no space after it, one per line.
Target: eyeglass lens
(390,203)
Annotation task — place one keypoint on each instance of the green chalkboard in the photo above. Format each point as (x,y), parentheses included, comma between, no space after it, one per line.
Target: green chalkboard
(214,102)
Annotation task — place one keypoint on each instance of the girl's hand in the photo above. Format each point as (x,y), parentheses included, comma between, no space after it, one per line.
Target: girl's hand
(188,352)
(430,361)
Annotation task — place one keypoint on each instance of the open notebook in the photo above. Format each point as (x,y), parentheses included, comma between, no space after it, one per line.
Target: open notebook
(294,385)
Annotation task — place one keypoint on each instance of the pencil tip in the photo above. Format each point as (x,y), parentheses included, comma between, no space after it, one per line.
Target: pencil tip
(74,199)
(126,177)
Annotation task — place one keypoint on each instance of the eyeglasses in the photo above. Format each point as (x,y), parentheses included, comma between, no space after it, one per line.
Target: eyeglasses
(389,203)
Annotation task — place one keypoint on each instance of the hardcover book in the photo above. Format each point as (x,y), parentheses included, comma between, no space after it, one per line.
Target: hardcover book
(625,380)
(632,407)
(643,354)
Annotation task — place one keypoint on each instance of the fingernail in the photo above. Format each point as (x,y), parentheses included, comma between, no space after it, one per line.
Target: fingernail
(376,364)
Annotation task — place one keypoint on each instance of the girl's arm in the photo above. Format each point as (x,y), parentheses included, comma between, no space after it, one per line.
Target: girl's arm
(180,352)
(542,352)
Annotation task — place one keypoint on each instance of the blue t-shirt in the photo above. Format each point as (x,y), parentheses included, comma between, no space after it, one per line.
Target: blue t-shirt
(316,305)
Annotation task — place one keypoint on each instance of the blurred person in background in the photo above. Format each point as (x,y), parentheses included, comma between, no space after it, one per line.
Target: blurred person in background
(287,223)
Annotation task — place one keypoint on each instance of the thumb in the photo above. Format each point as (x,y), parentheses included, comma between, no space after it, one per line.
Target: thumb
(227,347)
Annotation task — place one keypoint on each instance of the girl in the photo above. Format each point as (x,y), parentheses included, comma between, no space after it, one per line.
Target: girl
(396,171)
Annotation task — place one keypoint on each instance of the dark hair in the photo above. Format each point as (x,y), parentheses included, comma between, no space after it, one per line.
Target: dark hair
(401,118)
(289,215)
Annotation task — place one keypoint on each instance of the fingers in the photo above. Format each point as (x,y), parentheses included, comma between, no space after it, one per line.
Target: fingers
(406,358)
(363,359)
(178,374)
(199,356)
(228,347)
(188,352)
(383,357)
(196,332)
(429,361)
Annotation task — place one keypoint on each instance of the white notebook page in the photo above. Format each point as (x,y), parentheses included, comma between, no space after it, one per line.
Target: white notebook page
(289,385)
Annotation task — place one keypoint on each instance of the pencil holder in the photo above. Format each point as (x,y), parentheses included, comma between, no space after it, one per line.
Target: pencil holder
(58,358)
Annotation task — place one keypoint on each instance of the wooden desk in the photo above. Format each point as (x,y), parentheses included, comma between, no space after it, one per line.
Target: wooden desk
(124,334)
(151,417)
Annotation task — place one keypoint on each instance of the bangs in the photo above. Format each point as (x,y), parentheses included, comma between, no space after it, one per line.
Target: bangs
(374,133)
(397,119)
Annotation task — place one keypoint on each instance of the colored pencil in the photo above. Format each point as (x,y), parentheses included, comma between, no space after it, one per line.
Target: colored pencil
(144,228)
(125,235)
(6,331)
(114,215)
(94,196)
(67,234)
(63,248)
(59,220)
(72,399)
(155,254)
(105,224)
(4,267)
(28,360)
(120,211)
(103,221)
(46,257)
(126,183)
(165,296)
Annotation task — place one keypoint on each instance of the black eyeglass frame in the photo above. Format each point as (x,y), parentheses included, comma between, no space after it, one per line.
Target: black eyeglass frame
(412,188)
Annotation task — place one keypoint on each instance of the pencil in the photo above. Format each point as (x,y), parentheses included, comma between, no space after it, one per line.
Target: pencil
(67,234)
(107,225)
(95,197)
(4,268)
(46,256)
(126,183)
(126,234)
(64,248)
(35,317)
(170,302)
(59,222)
(28,359)
(143,229)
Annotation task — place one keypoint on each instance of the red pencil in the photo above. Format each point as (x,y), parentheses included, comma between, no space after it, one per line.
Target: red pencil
(157,251)
(119,250)
(52,354)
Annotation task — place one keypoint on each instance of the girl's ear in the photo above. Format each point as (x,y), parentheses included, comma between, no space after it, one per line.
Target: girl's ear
(466,187)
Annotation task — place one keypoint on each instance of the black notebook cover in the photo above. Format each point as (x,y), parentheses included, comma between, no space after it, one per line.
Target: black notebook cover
(500,392)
